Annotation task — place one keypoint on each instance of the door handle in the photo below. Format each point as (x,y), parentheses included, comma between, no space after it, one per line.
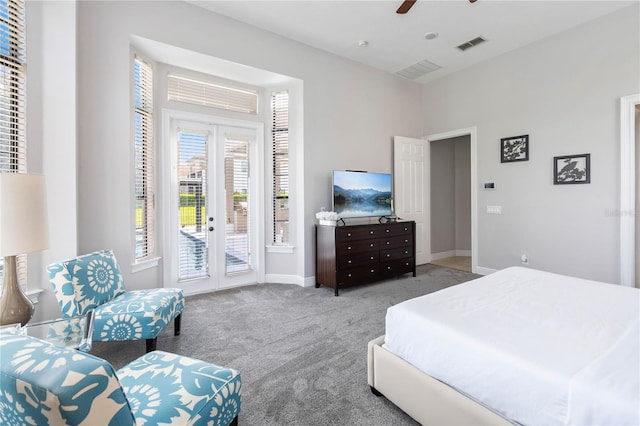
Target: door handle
(211,229)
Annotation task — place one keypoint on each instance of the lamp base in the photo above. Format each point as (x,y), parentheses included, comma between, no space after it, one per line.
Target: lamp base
(15,307)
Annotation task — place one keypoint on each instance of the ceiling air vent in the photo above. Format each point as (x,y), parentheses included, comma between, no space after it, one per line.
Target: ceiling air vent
(418,70)
(469,44)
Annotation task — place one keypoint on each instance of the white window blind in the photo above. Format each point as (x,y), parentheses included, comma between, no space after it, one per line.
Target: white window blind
(144,164)
(12,100)
(193,158)
(12,86)
(237,207)
(198,92)
(280,146)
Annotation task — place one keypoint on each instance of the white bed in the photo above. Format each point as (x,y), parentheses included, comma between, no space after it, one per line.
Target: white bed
(520,346)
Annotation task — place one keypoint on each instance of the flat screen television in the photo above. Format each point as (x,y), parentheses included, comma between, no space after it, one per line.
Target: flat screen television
(362,194)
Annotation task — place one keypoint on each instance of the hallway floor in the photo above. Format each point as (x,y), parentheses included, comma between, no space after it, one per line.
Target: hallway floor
(462,263)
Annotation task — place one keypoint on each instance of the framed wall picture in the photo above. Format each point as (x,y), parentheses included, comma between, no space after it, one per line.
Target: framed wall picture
(515,148)
(569,169)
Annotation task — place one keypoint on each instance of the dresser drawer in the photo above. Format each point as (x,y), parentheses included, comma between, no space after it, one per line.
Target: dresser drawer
(348,247)
(397,253)
(396,267)
(350,260)
(395,229)
(357,233)
(358,275)
(395,242)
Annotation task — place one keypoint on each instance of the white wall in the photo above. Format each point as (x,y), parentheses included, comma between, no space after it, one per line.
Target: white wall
(564,93)
(462,192)
(350,111)
(51,134)
(443,223)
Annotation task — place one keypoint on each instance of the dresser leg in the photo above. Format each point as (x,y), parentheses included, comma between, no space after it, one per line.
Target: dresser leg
(336,290)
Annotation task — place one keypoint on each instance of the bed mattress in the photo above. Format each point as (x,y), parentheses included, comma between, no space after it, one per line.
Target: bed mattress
(536,347)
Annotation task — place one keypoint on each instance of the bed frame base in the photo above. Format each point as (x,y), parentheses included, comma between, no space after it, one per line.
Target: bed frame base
(422,397)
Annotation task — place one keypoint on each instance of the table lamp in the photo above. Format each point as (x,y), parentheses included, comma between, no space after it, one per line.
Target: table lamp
(23,229)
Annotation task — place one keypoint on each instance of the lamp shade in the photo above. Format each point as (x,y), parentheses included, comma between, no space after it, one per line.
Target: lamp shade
(23,214)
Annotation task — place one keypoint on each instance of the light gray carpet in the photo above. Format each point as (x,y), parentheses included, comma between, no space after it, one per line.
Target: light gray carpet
(302,352)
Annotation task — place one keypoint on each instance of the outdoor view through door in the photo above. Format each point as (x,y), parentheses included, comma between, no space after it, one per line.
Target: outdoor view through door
(197,211)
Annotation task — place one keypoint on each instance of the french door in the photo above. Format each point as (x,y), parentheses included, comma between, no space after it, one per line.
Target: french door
(212,223)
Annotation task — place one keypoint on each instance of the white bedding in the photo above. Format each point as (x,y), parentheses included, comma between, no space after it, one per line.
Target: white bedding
(539,348)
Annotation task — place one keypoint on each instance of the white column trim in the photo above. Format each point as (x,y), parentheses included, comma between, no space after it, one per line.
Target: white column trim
(627,189)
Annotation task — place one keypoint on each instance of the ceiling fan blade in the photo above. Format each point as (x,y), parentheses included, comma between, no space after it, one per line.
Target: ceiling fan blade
(405,6)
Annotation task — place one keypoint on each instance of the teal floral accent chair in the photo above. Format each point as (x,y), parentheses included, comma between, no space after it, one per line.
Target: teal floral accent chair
(93,281)
(45,384)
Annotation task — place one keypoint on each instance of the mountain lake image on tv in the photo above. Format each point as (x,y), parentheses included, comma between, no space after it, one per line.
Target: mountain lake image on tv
(361,194)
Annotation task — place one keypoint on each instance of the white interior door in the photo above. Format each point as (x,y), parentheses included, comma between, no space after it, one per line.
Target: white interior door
(212,224)
(411,185)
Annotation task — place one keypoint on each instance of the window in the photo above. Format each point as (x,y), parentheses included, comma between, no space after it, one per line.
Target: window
(193,157)
(143,140)
(199,92)
(13,98)
(280,147)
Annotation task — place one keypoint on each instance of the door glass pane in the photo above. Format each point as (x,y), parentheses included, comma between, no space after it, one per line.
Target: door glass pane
(236,185)
(192,181)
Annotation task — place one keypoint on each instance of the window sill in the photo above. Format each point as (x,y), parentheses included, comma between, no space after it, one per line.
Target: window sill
(145,264)
(34,295)
(280,249)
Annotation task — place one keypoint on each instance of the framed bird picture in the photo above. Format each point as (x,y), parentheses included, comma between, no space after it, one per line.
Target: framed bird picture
(569,169)
(515,148)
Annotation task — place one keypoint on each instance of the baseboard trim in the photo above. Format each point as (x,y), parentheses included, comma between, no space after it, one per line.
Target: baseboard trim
(290,279)
(442,255)
(450,253)
(485,271)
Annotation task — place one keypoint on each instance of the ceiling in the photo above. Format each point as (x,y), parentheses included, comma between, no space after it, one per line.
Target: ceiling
(395,42)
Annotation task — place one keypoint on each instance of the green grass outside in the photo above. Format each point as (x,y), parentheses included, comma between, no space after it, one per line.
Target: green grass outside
(187,216)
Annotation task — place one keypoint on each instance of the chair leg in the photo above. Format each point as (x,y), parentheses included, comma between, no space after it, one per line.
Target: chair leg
(176,325)
(151,344)
(234,422)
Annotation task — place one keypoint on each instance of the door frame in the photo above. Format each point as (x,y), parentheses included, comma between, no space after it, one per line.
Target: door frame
(166,163)
(628,189)
(472,132)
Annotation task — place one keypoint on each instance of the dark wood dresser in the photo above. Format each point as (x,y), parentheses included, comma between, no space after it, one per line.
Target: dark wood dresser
(358,254)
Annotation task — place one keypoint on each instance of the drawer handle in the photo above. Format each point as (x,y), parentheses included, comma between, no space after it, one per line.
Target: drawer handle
(349,248)
(373,270)
(388,242)
(388,267)
(406,229)
(406,241)
(349,234)
(349,275)
(388,255)
(406,252)
(371,257)
(349,262)
(387,230)
(370,232)
(371,245)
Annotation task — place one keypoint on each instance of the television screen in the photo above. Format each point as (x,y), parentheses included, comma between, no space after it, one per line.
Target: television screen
(361,194)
